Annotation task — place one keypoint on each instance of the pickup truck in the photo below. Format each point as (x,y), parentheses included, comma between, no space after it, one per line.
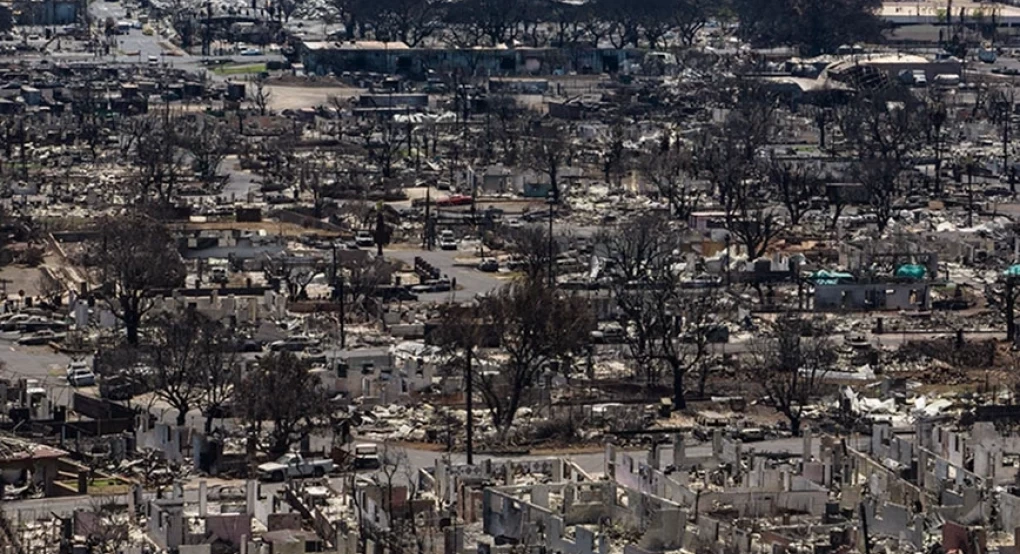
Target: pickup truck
(293,465)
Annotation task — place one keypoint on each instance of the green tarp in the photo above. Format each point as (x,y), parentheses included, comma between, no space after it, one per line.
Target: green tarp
(911,271)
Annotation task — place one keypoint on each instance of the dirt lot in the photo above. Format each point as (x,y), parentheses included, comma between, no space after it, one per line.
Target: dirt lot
(289,97)
(20,278)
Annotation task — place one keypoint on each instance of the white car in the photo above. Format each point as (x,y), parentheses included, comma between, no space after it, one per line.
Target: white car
(80,375)
(447,240)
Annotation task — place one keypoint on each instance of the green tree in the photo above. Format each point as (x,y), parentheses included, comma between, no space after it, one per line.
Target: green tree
(282,403)
(814,26)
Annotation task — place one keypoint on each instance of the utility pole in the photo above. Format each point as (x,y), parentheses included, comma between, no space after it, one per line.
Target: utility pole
(864,528)
(380,229)
(970,193)
(338,294)
(343,313)
(551,200)
(469,392)
(426,240)
(1007,122)
(1010,302)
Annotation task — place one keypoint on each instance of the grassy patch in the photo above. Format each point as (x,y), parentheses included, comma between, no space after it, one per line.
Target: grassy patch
(250,69)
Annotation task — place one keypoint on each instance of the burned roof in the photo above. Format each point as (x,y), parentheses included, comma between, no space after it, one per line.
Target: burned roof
(15,449)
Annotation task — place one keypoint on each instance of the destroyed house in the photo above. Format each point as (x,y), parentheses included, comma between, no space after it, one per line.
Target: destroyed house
(866,296)
(21,461)
(396,57)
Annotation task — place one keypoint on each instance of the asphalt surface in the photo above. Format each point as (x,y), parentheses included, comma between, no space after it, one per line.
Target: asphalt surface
(139,45)
(470,281)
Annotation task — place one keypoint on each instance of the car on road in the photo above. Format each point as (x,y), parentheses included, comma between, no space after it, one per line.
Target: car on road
(489,265)
(294,465)
(251,52)
(447,240)
(79,374)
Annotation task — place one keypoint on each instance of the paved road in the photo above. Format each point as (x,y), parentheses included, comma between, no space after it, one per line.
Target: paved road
(470,281)
(142,46)
(36,362)
(134,40)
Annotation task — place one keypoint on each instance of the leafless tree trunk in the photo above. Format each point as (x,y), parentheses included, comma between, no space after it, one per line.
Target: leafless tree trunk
(669,326)
(133,256)
(260,96)
(789,362)
(535,328)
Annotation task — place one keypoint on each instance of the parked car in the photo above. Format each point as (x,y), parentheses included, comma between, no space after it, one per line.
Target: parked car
(751,434)
(79,374)
(219,274)
(294,465)
(432,285)
(41,337)
(293,344)
(455,200)
(366,456)
(389,293)
(489,265)
(76,366)
(313,355)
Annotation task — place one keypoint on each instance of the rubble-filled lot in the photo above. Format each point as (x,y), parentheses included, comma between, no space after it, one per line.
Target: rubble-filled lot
(379,279)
